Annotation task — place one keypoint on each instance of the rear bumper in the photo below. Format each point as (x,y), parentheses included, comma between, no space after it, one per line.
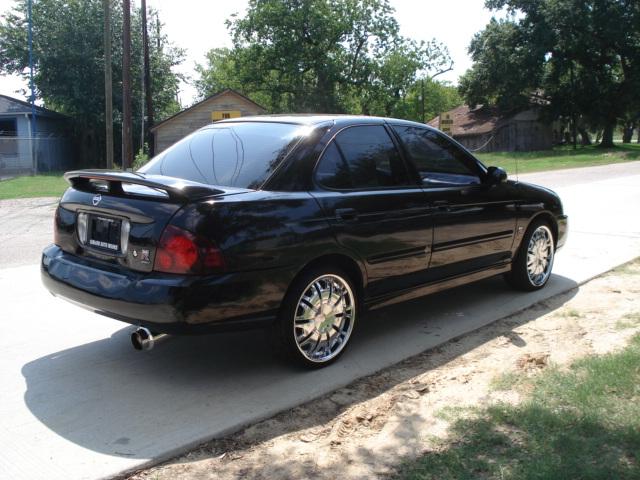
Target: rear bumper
(163,303)
(563,230)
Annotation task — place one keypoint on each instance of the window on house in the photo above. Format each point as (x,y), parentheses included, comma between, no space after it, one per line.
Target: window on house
(8,128)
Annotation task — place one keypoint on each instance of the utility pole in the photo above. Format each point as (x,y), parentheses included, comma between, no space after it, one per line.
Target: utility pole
(159,45)
(127,140)
(422,97)
(147,80)
(574,126)
(34,152)
(108,85)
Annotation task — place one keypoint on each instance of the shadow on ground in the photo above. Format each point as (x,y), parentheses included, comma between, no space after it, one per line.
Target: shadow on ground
(106,397)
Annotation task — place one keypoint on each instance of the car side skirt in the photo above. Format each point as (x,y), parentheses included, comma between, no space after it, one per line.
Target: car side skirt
(420,291)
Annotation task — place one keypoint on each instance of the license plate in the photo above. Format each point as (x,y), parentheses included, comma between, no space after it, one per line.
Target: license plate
(104,233)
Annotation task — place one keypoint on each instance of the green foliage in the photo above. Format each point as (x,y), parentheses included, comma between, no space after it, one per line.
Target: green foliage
(341,56)
(141,158)
(69,65)
(438,97)
(580,56)
(501,74)
(581,423)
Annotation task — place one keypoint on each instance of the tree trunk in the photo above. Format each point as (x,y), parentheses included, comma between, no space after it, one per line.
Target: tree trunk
(627,133)
(585,138)
(607,135)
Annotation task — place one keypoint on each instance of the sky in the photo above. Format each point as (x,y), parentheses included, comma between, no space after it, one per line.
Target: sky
(199,25)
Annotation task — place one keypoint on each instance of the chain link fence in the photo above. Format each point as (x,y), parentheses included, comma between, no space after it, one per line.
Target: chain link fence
(31,155)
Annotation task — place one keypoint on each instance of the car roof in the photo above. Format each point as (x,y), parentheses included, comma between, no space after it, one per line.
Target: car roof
(315,119)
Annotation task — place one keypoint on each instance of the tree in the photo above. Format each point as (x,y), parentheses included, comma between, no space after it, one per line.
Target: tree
(321,56)
(438,97)
(396,72)
(580,56)
(69,66)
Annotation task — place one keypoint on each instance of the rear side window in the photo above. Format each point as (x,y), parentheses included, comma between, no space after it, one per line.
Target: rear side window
(232,155)
(362,157)
(438,161)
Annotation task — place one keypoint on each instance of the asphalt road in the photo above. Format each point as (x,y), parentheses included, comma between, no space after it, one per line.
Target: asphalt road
(77,402)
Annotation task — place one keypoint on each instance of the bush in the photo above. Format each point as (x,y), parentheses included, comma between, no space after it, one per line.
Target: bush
(141,158)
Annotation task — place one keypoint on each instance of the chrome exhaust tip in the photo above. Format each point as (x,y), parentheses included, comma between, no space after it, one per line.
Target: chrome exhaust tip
(143,339)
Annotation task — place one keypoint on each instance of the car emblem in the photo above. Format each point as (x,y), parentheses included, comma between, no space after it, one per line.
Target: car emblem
(96,200)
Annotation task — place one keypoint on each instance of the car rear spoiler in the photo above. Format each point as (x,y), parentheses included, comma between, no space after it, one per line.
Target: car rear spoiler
(177,189)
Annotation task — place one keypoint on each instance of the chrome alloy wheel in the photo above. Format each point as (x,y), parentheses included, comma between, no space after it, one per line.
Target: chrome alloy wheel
(324,318)
(540,255)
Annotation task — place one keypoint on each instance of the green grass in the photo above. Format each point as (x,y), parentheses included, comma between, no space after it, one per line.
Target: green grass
(50,185)
(506,381)
(561,157)
(629,320)
(629,268)
(53,185)
(571,313)
(581,423)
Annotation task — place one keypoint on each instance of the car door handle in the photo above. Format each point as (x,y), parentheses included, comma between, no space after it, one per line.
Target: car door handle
(442,205)
(346,214)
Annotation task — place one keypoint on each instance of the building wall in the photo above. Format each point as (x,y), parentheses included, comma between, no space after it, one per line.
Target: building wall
(51,148)
(25,151)
(514,136)
(199,116)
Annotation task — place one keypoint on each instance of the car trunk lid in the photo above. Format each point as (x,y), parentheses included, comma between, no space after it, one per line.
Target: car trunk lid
(117,218)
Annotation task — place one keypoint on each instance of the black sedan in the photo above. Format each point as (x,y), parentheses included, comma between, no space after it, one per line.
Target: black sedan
(295,223)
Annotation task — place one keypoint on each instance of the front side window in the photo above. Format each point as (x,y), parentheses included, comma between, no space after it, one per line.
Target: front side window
(231,155)
(362,157)
(438,161)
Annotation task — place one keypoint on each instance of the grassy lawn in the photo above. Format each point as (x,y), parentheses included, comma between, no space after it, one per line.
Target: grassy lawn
(50,185)
(561,157)
(580,423)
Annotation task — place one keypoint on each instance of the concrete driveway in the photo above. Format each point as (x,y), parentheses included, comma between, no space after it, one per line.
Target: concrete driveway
(77,402)
(26,225)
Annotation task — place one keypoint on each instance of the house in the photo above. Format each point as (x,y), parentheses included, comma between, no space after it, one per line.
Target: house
(226,104)
(489,130)
(23,152)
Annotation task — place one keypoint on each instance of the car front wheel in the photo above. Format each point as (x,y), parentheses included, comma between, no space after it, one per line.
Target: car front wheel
(317,318)
(532,265)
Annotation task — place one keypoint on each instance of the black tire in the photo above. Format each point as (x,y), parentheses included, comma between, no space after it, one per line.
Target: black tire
(520,276)
(288,333)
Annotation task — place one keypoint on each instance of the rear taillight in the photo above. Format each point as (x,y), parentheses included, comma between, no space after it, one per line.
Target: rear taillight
(82,227)
(180,251)
(56,221)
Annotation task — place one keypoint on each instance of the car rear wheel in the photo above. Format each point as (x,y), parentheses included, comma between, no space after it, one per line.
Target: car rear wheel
(317,318)
(532,265)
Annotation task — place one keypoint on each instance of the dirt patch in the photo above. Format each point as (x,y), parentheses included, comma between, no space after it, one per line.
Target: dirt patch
(366,429)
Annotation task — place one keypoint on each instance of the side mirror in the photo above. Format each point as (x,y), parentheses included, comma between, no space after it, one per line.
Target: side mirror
(496,175)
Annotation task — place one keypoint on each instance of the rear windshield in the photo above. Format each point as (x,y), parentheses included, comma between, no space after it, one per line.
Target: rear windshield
(229,154)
